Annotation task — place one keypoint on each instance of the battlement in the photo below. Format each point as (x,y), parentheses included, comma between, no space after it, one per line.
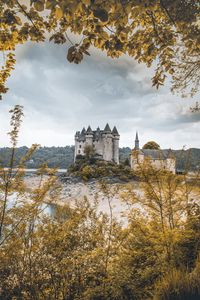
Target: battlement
(96,134)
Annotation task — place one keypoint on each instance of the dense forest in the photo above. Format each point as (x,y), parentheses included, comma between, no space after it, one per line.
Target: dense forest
(62,157)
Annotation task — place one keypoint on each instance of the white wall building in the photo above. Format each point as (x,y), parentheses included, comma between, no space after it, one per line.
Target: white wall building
(159,159)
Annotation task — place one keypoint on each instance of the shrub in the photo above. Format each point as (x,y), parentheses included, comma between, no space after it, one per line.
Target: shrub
(94,168)
(87,173)
(180,285)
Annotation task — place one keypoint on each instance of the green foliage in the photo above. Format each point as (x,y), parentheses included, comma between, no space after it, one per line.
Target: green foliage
(187,159)
(89,151)
(94,168)
(54,157)
(151,145)
(124,154)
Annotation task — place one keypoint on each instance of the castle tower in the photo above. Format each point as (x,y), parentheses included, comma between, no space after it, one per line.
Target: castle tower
(137,156)
(107,144)
(137,142)
(115,145)
(76,137)
(89,137)
(98,133)
(79,140)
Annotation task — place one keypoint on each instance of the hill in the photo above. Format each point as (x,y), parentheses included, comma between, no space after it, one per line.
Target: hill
(61,157)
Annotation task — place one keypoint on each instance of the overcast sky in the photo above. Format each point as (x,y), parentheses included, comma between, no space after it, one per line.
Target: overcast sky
(60,98)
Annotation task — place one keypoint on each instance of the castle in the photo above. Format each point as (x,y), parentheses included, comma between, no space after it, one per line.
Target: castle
(105,143)
(159,159)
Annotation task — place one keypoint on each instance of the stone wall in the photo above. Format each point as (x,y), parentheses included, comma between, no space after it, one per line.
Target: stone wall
(108,147)
(137,159)
(98,145)
(116,149)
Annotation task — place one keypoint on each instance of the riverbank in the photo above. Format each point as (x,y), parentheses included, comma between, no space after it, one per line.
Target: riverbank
(74,189)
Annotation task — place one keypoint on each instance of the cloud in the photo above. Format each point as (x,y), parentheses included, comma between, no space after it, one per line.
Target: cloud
(60,98)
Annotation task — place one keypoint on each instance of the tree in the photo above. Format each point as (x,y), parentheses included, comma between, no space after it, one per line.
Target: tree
(151,145)
(64,255)
(179,285)
(164,236)
(25,205)
(89,151)
(165,32)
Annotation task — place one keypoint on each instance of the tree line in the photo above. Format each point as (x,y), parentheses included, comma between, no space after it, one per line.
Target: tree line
(63,157)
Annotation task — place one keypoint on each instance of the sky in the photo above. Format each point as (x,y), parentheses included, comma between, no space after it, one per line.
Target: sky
(60,98)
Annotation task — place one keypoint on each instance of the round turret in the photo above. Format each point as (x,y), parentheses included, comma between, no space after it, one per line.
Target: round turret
(116,137)
(89,136)
(107,144)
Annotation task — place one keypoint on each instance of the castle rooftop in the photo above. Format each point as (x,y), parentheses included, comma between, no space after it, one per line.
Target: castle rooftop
(107,129)
(114,131)
(89,130)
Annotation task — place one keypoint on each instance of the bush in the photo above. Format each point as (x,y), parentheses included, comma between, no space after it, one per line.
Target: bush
(87,172)
(180,285)
(94,168)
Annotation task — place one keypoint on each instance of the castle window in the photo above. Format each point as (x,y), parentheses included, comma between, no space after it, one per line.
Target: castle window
(79,151)
(79,146)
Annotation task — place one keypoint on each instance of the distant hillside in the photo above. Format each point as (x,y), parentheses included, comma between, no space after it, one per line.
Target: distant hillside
(124,153)
(188,159)
(62,157)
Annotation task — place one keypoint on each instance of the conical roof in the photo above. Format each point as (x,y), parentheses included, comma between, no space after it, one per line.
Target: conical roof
(77,133)
(107,129)
(136,136)
(114,131)
(83,131)
(137,143)
(89,130)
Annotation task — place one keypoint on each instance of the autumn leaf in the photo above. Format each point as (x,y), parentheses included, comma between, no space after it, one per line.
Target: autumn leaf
(58,13)
(101,14)
(58,38)
(71,54)
(148,31)
(39,5)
